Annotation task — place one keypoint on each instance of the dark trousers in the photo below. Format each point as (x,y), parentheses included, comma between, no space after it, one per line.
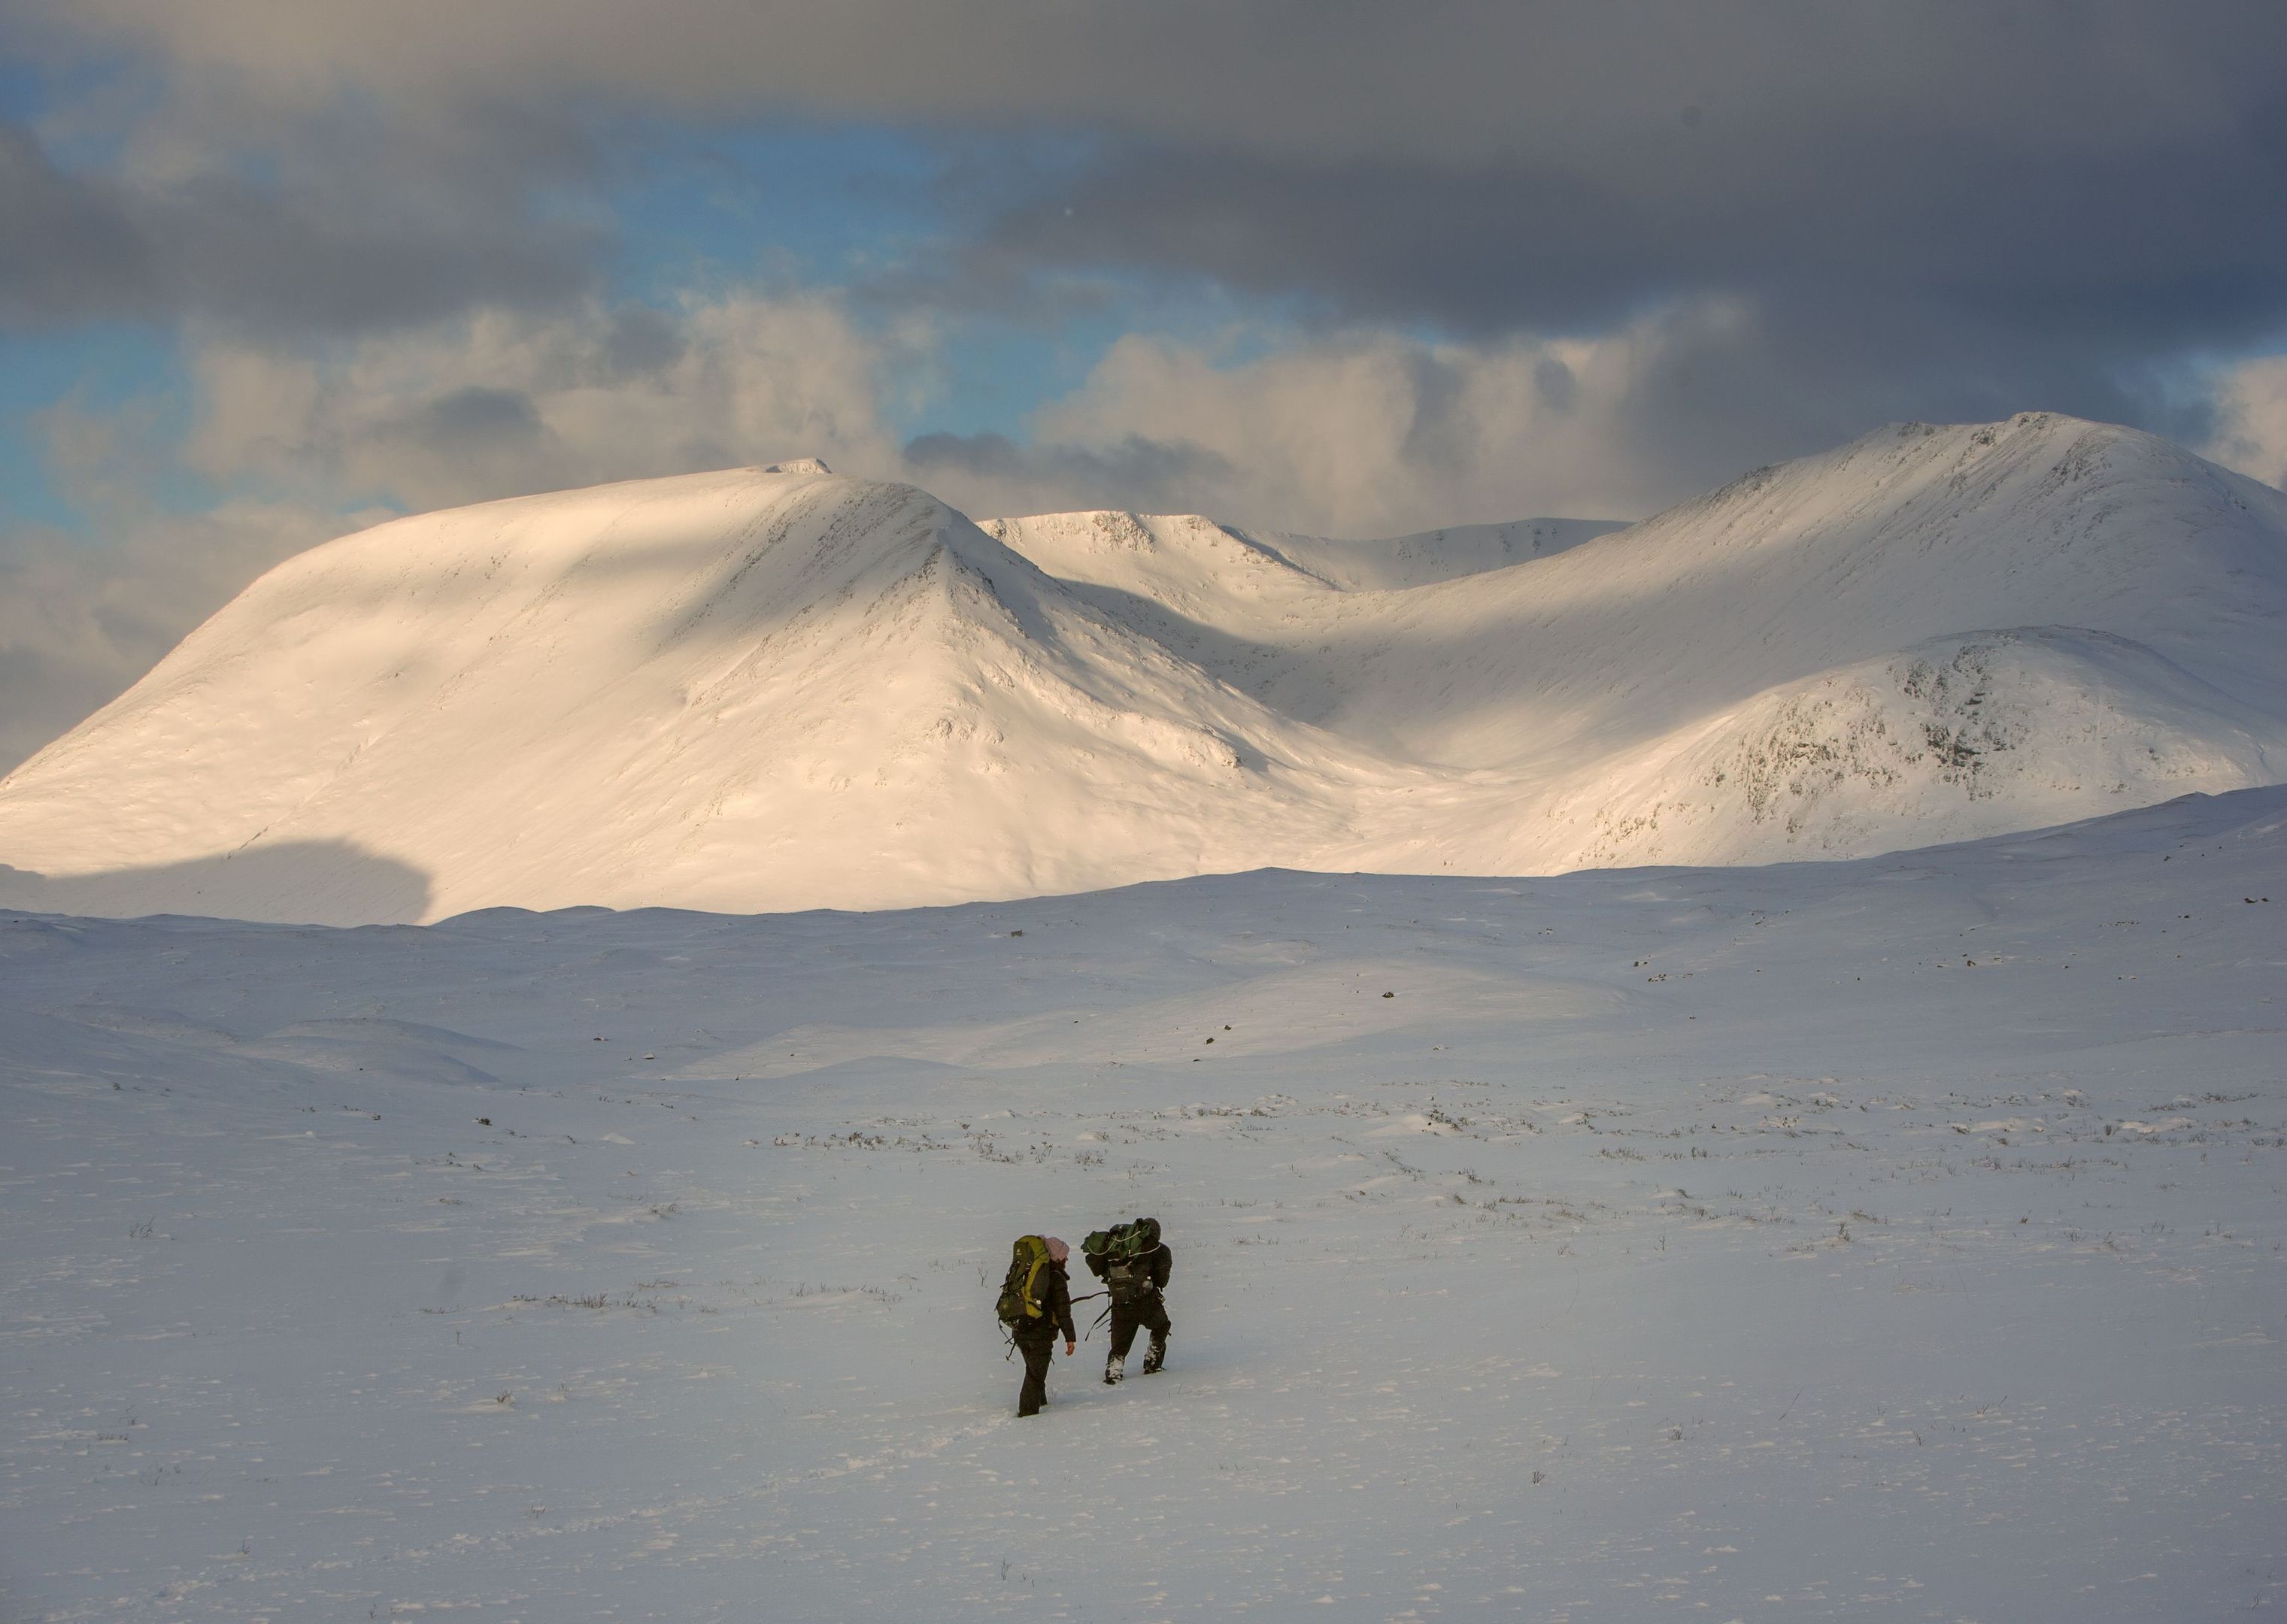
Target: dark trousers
(1151,1314)
(1036,1353)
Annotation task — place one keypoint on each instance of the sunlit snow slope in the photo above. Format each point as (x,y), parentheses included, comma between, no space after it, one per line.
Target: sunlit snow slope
(1893,1241)
(766,690)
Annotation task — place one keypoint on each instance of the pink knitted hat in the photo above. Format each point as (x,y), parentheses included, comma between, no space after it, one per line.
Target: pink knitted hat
(1057,1250)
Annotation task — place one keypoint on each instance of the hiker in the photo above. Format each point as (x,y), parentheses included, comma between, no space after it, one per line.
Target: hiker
(1133,1266)
(1035,1304)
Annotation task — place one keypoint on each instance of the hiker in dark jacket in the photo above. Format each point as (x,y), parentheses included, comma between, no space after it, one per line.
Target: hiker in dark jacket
(1134,1276)
(1036,1339)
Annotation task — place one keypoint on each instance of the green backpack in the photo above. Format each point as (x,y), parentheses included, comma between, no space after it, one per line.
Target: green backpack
(1102,1245)
(1023,1291)
(1124,1250)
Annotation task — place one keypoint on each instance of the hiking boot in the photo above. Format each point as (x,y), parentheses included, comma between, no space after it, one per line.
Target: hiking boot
(1114,1369)
(1157,1357)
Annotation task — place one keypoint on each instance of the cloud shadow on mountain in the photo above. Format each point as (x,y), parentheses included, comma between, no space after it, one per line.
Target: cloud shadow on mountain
(294,882)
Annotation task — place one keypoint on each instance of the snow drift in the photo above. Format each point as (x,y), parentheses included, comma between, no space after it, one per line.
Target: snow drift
(774,689)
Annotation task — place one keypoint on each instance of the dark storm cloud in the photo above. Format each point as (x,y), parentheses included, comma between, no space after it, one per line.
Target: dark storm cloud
(67,248)
(2089,243)
(340,241)
(1590,85)
(2099,170)
(2038,205)
(1973,212)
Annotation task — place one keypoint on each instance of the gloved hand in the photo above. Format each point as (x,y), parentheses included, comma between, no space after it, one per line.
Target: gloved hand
(1070,1348)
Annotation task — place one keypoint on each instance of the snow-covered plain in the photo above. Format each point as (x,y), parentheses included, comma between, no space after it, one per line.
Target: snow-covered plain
(778,688)
(1898,1238)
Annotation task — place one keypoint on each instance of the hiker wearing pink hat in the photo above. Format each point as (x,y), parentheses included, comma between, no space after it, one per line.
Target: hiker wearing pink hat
(1035,1304)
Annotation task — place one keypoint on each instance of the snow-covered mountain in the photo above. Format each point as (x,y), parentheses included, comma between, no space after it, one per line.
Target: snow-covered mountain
(774,689)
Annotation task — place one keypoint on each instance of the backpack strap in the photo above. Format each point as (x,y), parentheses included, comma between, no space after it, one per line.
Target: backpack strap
(1035,1308)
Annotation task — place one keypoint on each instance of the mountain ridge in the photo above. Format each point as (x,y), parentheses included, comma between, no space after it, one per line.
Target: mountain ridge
(764,690)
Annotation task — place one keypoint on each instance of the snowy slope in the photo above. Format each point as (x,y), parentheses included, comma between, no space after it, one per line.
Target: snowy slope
(776,689)
(1163,554)
(753,688)
(1438,554)
(1891,1239)
(1734,680)
(1975,735)
(1911,533)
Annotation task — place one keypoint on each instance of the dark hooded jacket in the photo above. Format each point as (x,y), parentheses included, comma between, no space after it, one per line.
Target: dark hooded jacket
(1058,1319)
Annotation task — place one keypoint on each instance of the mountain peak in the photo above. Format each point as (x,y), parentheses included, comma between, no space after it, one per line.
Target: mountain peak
(771,688)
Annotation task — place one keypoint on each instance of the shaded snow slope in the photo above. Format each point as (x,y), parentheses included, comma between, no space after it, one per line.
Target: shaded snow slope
(2100,619)
(1167,553)
(1910,533)
(1897,1239)
(778,688)
(1433,555)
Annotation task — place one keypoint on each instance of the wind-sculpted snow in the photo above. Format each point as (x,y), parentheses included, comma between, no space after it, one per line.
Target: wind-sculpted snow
(1888,1239)
(774,689)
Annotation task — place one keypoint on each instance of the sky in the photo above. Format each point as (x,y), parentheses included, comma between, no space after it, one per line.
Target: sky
(272,272)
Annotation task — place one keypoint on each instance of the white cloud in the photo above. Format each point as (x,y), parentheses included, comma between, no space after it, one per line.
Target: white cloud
(504,403)
(83,617)
(1371,432)
(2251,432)
(1366,432)
(1376,433)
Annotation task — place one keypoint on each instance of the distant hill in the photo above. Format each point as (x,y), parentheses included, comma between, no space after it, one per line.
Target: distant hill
(775,689)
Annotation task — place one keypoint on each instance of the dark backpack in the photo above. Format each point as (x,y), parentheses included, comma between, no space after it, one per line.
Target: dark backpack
(1128,1280)
(1098,1246)
(1125,1252)
(1024,1289)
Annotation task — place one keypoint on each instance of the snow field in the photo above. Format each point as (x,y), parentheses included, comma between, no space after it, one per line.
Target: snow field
(1898,1238)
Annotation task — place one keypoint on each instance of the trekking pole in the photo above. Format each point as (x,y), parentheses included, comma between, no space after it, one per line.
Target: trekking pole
(1090,1297)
